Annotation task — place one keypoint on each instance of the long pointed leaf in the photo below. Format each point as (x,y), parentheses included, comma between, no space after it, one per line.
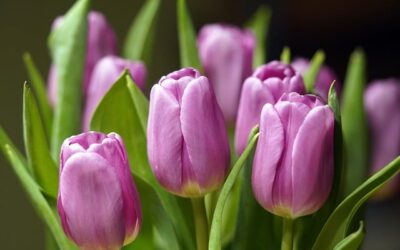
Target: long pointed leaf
(312,72)
(353,241)
(189,56)
(40,91)
(286,55)
(67,45)
(37,148)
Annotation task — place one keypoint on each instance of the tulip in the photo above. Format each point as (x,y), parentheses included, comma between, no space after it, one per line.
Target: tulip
(101,41)
(324,78)
(105,74)
(226,52)
(293,163)
(267,84)
(97,199)
(187,143)
(381,101)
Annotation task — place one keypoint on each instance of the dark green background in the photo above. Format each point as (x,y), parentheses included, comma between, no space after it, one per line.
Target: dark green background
(336,26)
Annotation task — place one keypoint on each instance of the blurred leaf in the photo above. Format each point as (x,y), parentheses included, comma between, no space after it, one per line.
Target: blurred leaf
(355,132)
(67,45)
(40,91)
(259,24)
(216,225)
(34,192)
(286,55)
(311,75)
(353,241)
(124,110)
(37,148)
(189,56)
(140,31)
(336,227)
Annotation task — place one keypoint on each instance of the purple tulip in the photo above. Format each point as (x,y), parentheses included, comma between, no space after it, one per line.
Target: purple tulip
(187,143)
(97,199)
(101,41)
(267,84)
(226,53)
(293,163)
(381,101)
(324,78)
(106,72)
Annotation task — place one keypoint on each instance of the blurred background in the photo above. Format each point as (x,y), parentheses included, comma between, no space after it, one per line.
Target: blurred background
(337,26)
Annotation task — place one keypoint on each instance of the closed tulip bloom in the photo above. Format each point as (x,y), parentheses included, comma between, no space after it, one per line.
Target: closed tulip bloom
(187,143)
(267,84)
(97,199)
(381,101)
(324,78)
(105,74)
(293,163)
(101,41)
(226,52)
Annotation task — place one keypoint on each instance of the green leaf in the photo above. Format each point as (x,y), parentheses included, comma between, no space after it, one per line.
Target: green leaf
(286,55)
(259,24)
(67,45)
(124,110)
(355,132)
(139,33)
(189,56)
(216,225)
(336,227)
(40,91)
(37,148)
(33,190)
(353,241)
(312,72)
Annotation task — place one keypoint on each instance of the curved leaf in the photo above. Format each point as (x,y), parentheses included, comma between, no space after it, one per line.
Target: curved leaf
(353,241)
(335,229)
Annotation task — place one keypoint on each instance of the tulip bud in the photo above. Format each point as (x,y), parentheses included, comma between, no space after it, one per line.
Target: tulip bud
(293,163)
(105,74)
(97,199)
(381,101)
(101,41)
(267,84)
(226,53)
(187,143)
(324,78)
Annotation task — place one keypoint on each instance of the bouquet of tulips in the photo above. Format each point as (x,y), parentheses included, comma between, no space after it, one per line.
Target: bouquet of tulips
(228,152)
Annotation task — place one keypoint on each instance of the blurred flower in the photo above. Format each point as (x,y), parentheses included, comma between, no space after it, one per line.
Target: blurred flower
(101,41)
(97,199)
(187,142)
(381,101)
(324,78)
(105,74)
(293,163)
(267,84)
(226,53)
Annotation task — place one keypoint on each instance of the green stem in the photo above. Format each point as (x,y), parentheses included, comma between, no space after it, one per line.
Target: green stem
(200,221)
(287,235)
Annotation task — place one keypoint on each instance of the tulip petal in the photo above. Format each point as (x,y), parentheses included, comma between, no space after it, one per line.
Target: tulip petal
(92,201)
(204,133)
(164,142)
(313,153)
(267,156)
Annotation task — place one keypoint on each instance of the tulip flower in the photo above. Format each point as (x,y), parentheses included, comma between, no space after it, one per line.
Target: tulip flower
(293,163)
(267,84)
(187,142)
(381,101)
(97,199)
(226,52)
(105,74)
(101,41)
(324,78)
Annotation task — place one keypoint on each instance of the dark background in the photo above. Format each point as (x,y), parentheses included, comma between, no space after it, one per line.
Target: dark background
(337,26)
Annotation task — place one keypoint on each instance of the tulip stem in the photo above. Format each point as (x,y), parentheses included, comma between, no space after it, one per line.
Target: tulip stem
(287,236)
(200,221)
